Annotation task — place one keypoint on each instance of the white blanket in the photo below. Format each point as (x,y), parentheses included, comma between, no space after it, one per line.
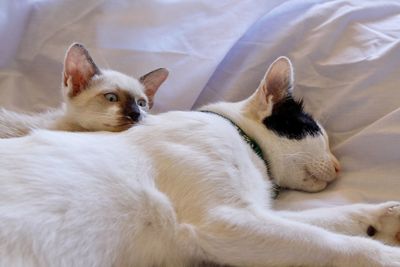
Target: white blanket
(346,55)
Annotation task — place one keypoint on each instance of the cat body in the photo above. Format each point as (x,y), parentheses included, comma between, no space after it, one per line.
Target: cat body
(94,99)
(16,124)
(181,188)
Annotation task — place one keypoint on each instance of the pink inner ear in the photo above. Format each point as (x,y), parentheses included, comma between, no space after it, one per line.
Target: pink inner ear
(79,81)
(278,80)
(152,81)
(79,68)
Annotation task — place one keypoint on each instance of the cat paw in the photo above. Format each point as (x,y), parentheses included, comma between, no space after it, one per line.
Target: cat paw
(389,256)
(361,252)
(386,226)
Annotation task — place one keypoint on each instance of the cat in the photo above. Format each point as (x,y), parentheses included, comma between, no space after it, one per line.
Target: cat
(186,187)
(95,100)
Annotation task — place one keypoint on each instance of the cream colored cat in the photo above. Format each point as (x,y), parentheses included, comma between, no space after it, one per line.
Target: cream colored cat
(95,100)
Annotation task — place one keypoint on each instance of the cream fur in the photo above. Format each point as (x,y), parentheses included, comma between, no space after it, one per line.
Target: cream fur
(79,114)
(16,124)
(86,109)
(178,189)
(86,112)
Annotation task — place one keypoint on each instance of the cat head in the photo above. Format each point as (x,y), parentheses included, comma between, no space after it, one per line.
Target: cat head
(294,144)
(108,100)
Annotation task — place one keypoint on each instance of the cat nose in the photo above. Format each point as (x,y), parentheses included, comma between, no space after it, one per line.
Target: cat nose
(133,111)
(337,169)
(336,164)
(134,115)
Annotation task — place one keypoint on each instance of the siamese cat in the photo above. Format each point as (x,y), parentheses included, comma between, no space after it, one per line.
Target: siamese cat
(94,99)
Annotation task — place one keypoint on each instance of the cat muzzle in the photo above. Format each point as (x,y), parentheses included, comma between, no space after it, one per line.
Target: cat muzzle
(134,115)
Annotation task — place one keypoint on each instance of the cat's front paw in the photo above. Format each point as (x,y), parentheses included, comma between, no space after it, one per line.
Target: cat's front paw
(386,226)
(388,257)
(360,252)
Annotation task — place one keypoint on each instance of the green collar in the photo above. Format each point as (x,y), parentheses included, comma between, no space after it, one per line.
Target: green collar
(253,144)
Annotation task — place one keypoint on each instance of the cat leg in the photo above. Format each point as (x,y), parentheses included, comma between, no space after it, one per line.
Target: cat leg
(379,221)
(239,237)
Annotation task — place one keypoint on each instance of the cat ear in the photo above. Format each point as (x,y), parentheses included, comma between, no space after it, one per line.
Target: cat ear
(79,69)
(275,86)
(278,80)
(152,81)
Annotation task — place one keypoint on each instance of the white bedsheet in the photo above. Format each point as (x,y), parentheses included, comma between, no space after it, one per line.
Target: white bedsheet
(346,55)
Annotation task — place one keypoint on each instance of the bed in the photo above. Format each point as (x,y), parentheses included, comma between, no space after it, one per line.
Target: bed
(346,56)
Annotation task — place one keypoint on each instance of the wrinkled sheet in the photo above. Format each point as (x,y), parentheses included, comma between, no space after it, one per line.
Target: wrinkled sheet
(346,55)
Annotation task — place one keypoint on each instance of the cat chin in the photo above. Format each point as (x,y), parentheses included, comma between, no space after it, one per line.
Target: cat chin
(116,128)
(121,124)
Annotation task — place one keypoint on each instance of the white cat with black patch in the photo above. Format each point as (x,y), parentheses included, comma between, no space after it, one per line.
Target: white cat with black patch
(182,188)
(95,100)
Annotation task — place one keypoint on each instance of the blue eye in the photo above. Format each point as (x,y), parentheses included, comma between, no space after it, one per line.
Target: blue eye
(111,97)
(141,102)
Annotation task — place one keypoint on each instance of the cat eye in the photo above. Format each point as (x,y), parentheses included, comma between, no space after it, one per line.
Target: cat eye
(111,97)
(141,102)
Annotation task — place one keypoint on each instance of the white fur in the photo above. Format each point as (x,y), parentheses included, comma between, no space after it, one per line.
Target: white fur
(14,124)
(181,188)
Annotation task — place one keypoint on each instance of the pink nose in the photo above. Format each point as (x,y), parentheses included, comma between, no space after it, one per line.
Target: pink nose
(336,164)
(337,169)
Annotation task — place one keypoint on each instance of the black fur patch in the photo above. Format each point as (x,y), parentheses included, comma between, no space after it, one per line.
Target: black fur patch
(288,119)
